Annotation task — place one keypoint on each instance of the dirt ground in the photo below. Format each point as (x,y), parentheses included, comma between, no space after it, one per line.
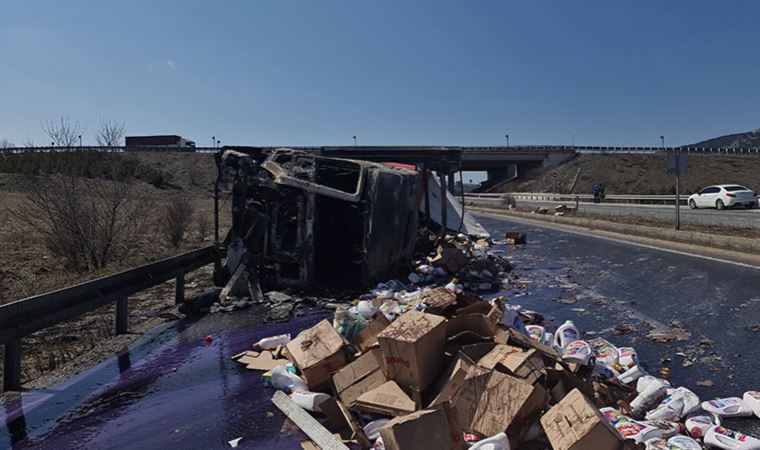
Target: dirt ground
(27,268)
(640,174)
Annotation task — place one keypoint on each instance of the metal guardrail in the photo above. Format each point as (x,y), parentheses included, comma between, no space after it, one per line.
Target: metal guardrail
(585,198)
(23,317)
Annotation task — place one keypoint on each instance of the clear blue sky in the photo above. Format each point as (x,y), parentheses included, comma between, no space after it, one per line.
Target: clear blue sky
(391,72)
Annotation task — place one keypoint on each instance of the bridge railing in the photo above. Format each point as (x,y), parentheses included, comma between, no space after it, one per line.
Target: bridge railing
(579,149)
(582,198)
(23,317)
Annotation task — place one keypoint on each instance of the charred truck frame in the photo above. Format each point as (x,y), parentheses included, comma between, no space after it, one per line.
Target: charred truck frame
(299,219)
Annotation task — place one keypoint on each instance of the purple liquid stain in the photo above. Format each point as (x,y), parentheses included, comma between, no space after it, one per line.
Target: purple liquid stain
(171,389)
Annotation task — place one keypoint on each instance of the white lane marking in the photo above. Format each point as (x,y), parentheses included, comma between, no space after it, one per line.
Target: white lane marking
(637,244)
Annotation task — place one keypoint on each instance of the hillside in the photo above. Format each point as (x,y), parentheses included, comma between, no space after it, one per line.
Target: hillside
(749,139)
(640,174)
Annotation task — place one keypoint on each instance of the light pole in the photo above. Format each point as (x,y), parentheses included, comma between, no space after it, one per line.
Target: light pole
(219,141)
(572,140)
(80,142)
(213,141)
(354,141)
(507,137)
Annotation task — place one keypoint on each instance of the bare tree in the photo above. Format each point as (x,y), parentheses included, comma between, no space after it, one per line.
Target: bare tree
(202,224)
(5,144)
(110,133)
(28,142)
(176,219)
(86,221)
(64,133)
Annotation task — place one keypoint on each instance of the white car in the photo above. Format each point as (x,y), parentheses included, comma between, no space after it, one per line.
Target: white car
(723,196)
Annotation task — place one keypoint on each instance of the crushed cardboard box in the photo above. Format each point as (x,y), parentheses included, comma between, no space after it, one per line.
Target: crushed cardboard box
(367,337)
(450,258)
(360,376)
(387,399)
(576,424)
(426,429)
(413,348)
(263,360)
(527,365)
(317,352)
(494,402)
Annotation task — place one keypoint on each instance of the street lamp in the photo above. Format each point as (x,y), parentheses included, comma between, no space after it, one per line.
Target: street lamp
(80,141)
(662,141)
(213,141)
(218,142)
(354,141)
(507,136)
(572,140)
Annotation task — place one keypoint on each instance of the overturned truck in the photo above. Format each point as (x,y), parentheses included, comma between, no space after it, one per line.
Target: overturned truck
(304,220)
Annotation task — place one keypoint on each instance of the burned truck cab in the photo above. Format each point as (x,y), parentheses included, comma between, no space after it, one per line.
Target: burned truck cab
(299,219)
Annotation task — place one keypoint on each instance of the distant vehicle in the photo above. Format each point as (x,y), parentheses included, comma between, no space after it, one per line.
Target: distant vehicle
(723,196)
(167,141)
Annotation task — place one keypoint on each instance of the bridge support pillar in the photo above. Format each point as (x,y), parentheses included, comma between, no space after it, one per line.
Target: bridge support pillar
(451,183)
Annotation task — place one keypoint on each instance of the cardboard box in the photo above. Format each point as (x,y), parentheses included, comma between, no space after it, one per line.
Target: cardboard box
(514,238)
(526,365)
(435,300)
(387,399)
(514,338)
(367,337)
(450,258)
(469,329)
(428,429)
(561,383)
(264,360)
(341,422)
(317,352)
(412,348)
(576,424)
(358,377)
(494,402)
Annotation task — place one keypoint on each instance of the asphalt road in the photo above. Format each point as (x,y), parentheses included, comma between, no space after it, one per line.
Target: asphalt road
(172,389)
(735,218)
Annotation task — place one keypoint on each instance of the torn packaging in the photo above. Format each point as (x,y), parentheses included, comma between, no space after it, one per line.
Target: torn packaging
(341,422)
(264,360)
(450,258)
(359,377)
(526,365)
(428,429)
(494,402)
(318,352)
(469,329)
(413,347)
(367,337)
(387,399)
(576,424)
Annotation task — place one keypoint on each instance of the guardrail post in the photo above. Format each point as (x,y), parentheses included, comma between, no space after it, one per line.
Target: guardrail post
(179,289)
(12,366)
(122,315)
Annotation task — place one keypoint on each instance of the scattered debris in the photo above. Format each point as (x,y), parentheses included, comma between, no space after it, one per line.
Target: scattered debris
(514,238)
(425,361)
(668,334)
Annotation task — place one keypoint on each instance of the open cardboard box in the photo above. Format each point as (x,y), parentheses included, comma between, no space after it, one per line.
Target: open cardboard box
(317,352)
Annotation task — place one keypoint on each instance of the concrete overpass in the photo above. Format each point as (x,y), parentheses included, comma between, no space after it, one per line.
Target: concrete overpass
(500,163)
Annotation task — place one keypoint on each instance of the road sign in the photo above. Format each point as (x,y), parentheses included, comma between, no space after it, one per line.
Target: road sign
(677,163)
